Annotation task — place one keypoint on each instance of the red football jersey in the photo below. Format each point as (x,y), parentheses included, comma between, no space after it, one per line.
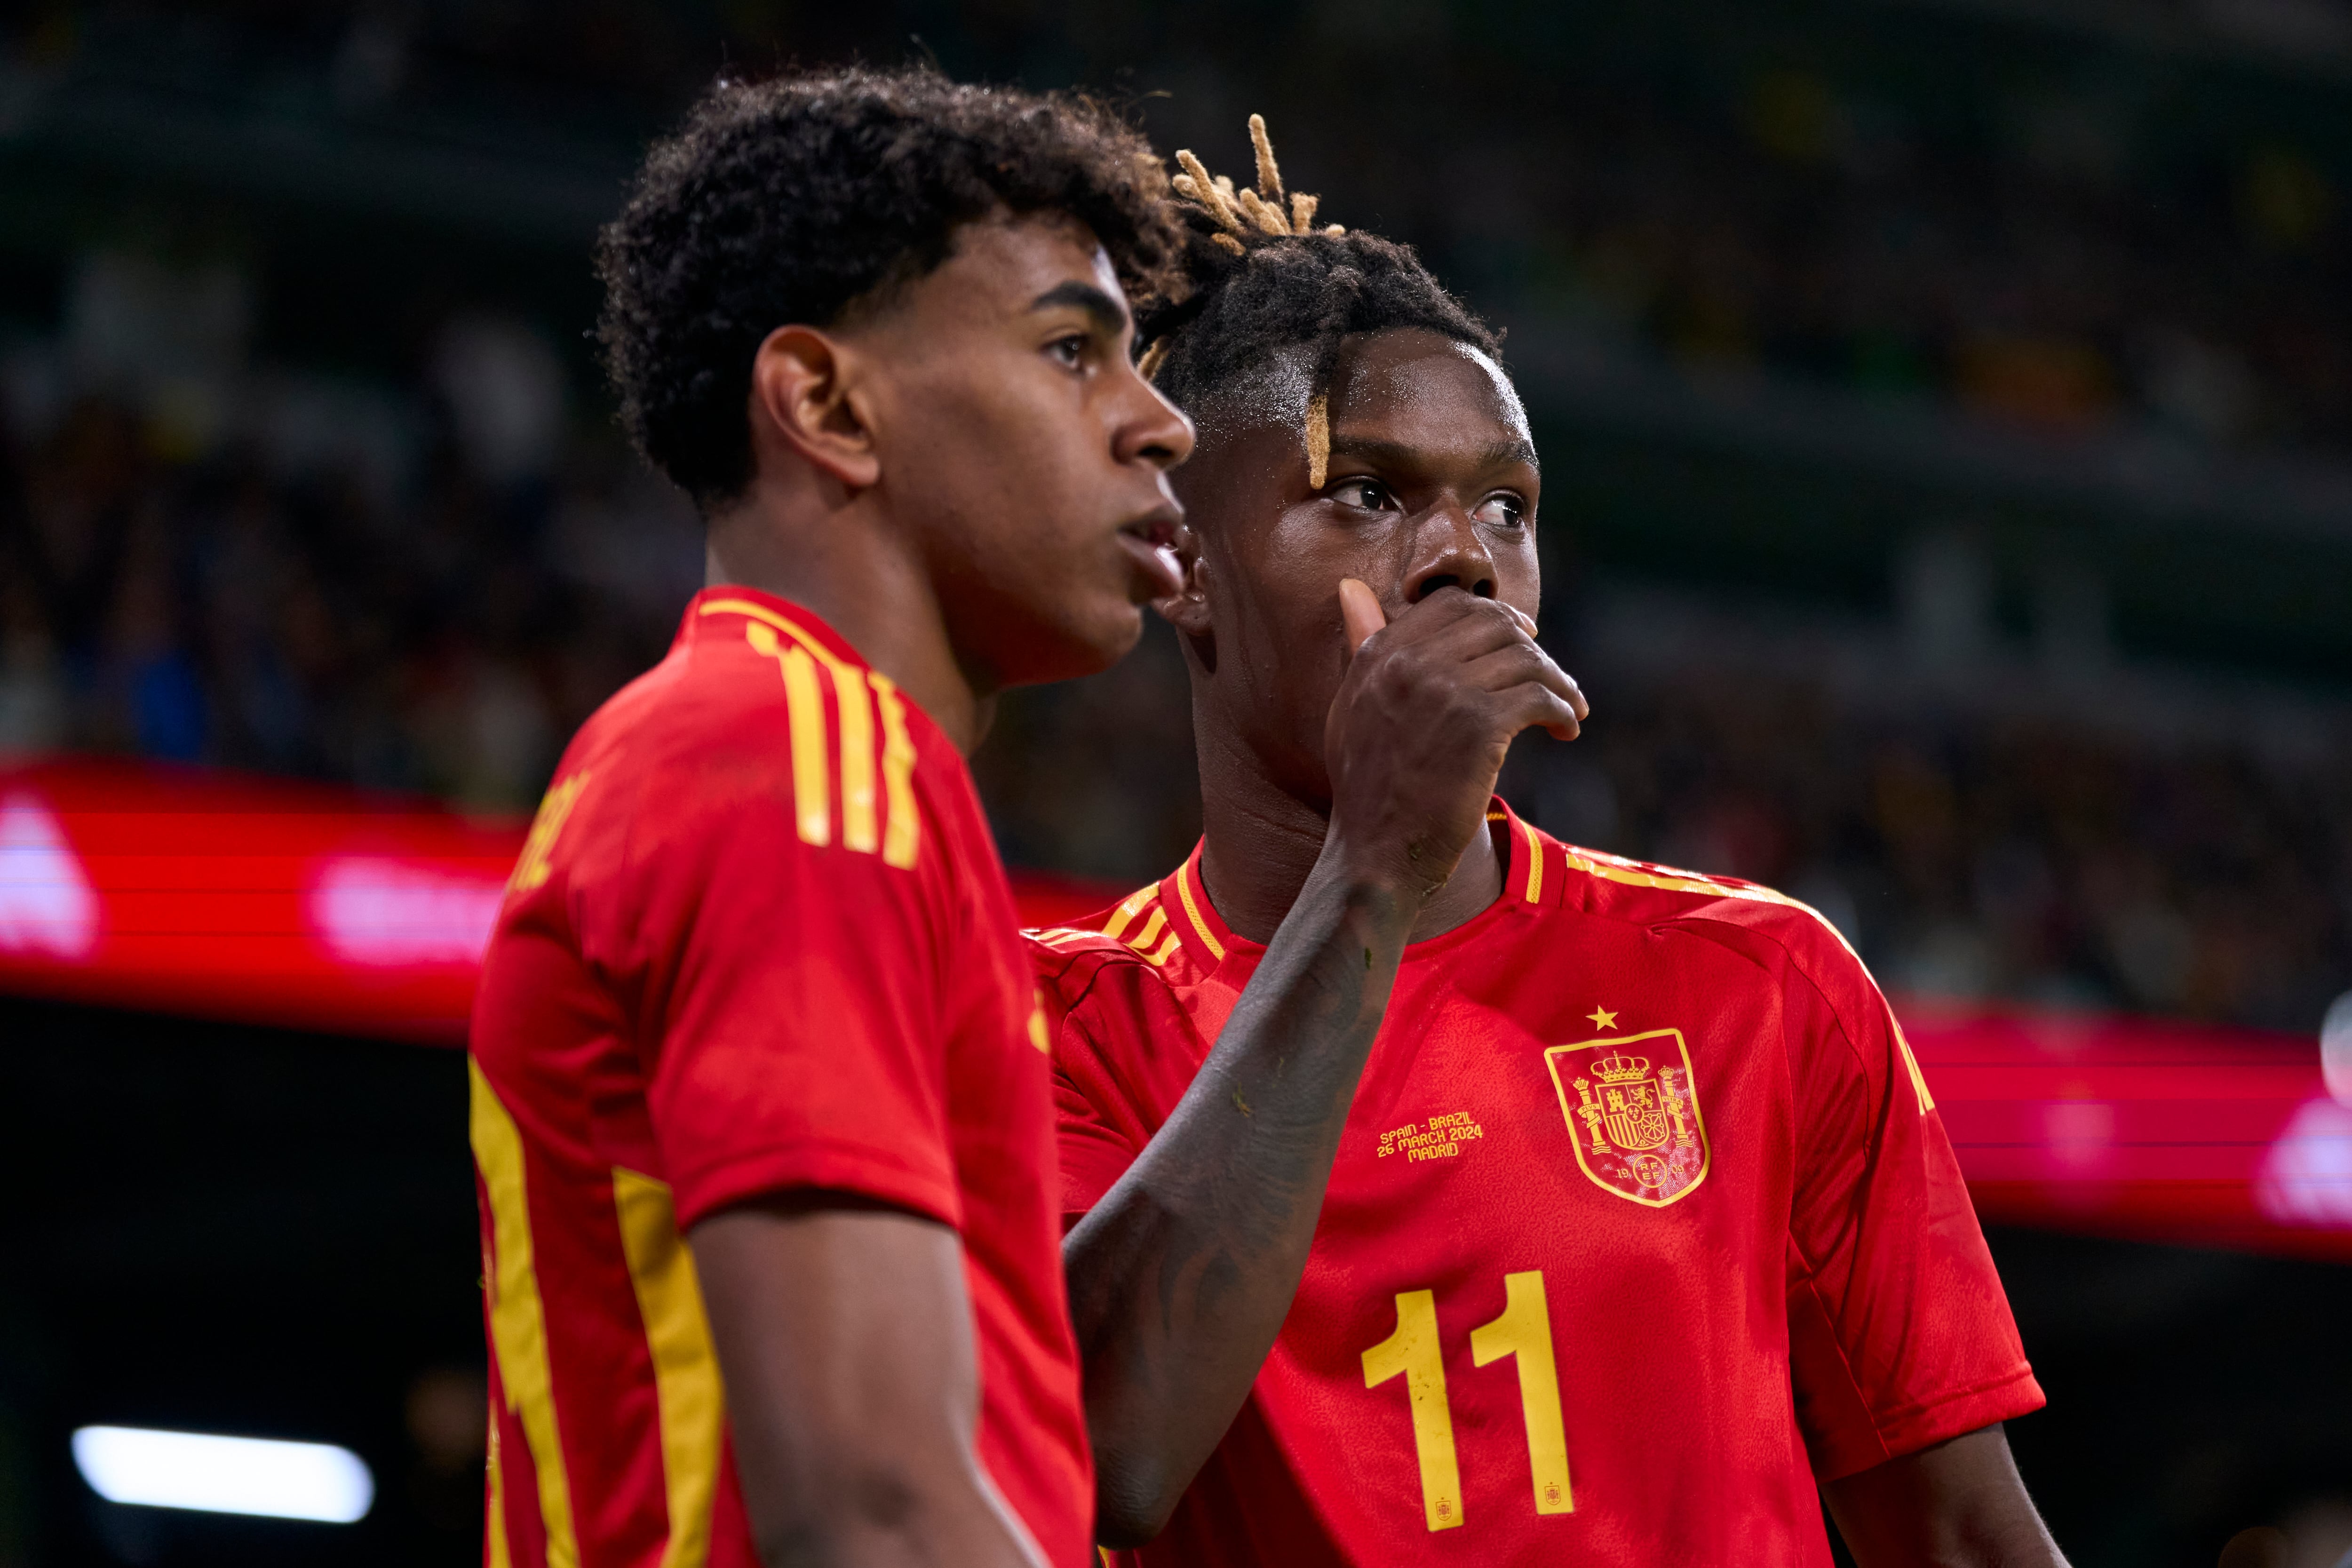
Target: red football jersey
(759,938)
(1641,1221)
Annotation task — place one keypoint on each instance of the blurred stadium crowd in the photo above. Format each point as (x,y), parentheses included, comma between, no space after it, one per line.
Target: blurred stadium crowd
(448,637)
(2088,241)
(427,585)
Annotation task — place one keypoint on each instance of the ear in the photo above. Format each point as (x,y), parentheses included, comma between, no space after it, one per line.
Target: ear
(808,398)
(1188,610)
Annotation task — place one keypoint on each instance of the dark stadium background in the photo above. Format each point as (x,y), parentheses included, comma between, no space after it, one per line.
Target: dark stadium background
(1947,415)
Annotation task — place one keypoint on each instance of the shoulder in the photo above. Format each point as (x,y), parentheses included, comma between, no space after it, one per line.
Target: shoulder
(756,723)
(1766,926)
(1792,944)
(1069,960)
(1112,975)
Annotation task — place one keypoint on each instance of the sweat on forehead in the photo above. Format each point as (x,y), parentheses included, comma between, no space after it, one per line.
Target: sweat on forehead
(1275,392)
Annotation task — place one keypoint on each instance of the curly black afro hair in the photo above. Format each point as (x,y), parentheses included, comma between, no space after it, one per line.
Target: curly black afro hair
(795,199)
(1258,277)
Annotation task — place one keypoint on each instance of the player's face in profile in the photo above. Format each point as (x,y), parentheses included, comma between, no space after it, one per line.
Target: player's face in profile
(1027,453)
(1432,483)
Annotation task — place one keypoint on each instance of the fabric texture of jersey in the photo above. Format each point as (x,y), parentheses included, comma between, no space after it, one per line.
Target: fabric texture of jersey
(758,940)
(1643,1222)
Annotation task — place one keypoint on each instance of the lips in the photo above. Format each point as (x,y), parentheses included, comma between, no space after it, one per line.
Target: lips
(1151,543)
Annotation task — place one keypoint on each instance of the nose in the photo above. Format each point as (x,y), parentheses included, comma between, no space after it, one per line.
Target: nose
(1150,428)
(1448,553)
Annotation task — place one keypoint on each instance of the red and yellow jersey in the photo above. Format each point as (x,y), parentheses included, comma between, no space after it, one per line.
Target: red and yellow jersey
(759,938)
(1643,1220)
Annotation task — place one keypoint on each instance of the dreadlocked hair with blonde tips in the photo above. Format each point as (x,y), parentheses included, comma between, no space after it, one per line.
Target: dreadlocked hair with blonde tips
(1257,278)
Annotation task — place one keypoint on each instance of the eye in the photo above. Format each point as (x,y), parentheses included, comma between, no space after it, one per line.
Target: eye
(1069,351)
(1503,509)
(1363,494)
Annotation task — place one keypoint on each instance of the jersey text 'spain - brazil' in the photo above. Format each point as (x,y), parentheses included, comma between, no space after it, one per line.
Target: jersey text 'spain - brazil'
(1643,1222)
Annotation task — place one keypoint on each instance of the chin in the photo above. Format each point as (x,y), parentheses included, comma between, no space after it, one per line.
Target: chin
(1073,647)
(1113,636)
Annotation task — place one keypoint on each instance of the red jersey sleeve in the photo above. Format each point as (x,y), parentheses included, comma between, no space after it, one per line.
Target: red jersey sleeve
(1095,991)
(1900,1335)
(792,992)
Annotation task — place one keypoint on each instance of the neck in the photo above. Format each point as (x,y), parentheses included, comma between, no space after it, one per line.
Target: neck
(851,567)
(1260,843)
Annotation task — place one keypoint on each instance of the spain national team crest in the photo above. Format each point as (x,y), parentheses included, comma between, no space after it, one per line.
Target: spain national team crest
(1633,1113)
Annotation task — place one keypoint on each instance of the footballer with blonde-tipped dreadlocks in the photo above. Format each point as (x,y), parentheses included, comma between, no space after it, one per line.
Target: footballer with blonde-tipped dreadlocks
(1267,286)
(1438,1191)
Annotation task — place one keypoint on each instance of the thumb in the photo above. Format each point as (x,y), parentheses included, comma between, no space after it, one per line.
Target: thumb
(1361,612)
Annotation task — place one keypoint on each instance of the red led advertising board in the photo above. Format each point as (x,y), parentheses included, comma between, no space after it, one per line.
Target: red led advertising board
(210,894)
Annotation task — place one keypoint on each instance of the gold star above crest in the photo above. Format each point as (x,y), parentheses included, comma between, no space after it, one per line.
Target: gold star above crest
(1602,1018)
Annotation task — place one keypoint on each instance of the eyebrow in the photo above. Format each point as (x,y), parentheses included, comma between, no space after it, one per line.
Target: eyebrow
(1396,454)
(1110,313)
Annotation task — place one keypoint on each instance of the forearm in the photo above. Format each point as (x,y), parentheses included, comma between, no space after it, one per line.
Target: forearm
(1960,1504)
(1180,1277)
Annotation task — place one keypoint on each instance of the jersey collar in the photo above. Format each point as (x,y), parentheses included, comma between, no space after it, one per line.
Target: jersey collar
(1192,921)
(721,611)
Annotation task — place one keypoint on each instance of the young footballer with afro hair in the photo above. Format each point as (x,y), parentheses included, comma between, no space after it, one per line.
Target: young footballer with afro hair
(760,1109)
(1571,1210)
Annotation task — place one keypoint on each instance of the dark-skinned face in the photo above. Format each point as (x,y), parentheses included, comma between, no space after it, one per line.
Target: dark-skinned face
(1432,484)
(1025,452)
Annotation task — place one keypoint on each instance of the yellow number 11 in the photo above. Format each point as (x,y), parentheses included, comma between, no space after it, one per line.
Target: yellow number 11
(1523,1331)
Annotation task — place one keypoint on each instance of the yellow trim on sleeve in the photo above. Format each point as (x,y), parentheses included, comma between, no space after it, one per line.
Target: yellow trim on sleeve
(1200,926)
(686,1391)
(1919,1079)
(518,1318)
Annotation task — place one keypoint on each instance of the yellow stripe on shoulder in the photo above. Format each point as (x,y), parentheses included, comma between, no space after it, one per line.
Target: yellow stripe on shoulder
(859,695)
(902,838)
(1617,868)
(1132,906)
(812,769)
(1143,940)
(855,706)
